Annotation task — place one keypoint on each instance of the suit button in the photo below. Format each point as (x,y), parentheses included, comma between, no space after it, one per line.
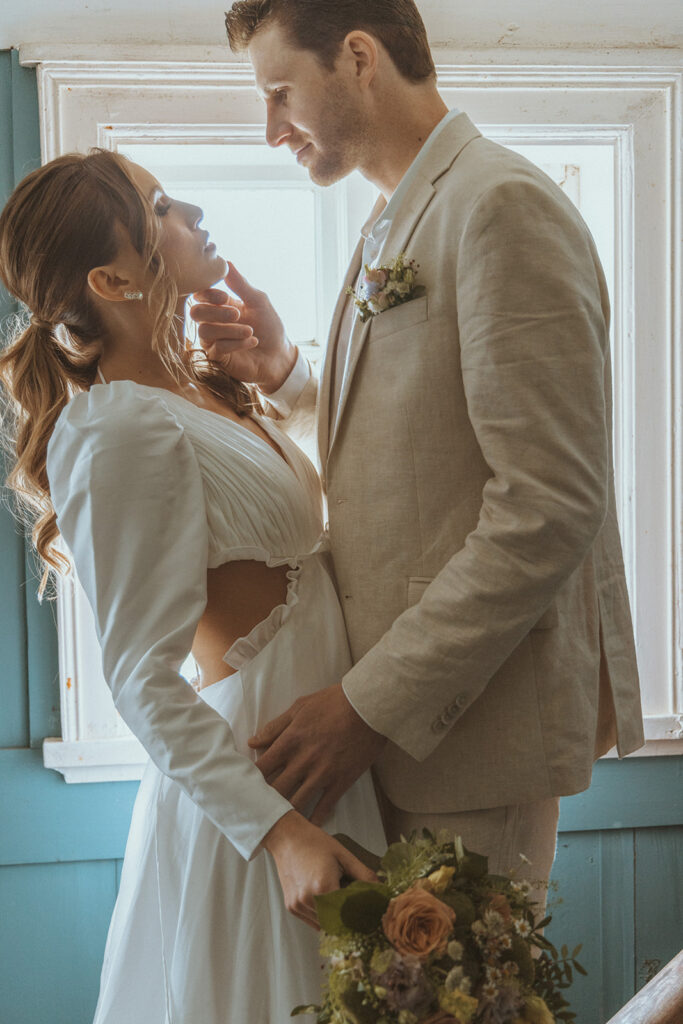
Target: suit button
(438,725)
(457,704)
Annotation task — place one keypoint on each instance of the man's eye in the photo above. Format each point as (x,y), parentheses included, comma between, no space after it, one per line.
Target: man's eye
(280,96)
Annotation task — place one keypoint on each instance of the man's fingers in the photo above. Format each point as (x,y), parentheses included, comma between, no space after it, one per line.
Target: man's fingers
(210,333)
(216,296)
(326,805)
(287,782)
(270,731)
(303,795)
(206,313)
(238,284)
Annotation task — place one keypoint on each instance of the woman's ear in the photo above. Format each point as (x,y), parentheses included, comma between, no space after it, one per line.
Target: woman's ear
(110,283)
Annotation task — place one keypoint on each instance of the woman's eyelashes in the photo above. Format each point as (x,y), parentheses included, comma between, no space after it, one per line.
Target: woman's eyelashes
(162,207)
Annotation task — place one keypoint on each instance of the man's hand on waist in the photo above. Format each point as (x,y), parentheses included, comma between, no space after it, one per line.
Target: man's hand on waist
(319,746)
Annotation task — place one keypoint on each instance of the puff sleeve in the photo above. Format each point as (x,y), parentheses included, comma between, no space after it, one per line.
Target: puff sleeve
(128,493)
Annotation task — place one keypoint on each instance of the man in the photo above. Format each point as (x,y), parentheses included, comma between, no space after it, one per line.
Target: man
(465,445)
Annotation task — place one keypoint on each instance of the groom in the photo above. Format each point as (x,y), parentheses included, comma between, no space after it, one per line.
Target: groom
(465,445)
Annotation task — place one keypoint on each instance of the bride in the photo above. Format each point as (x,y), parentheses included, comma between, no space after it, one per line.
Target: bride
(193,523)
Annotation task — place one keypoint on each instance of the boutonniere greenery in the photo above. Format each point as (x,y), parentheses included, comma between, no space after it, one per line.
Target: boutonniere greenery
(384,287)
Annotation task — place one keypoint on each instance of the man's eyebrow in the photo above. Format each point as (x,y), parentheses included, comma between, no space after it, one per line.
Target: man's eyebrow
(269,89)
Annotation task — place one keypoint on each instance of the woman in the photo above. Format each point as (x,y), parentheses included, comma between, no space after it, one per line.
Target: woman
(192,522)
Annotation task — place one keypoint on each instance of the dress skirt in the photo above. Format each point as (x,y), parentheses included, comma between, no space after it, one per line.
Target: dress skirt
(198,934)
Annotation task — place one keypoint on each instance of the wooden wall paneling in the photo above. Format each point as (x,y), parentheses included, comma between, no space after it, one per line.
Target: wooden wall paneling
(593,905)
(43,663)
(14,716)
(659,899)
(14,710)
(636,792)
(52,933)
(25,125)
(53,821)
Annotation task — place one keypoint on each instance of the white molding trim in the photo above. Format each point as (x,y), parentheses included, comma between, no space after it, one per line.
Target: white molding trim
(120,760)
(444,56)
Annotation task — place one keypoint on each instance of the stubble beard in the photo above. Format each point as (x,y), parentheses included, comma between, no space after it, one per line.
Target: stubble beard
(341,147)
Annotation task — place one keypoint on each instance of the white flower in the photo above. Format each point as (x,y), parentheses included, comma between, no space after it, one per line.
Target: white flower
(454,978)
(522,927)
(455,950)
(493,975)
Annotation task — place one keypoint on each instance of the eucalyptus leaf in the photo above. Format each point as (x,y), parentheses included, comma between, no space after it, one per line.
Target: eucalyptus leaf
(328,908)
(473,865)
(364,906)
(397,857)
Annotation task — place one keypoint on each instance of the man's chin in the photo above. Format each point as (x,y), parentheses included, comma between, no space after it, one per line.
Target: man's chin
(326,175)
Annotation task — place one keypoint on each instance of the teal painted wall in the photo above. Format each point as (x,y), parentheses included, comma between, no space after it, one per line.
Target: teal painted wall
(619,868)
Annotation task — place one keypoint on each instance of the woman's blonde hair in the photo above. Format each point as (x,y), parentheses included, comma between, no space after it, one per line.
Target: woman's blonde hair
(60,222)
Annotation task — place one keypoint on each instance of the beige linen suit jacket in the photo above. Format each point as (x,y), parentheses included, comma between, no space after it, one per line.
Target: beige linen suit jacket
(471,498)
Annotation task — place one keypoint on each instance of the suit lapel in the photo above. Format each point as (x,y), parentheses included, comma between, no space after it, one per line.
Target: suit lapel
(324,397)
(441,156)
(397,240)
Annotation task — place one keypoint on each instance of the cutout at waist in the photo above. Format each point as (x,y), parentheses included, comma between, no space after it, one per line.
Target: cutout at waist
(240,595)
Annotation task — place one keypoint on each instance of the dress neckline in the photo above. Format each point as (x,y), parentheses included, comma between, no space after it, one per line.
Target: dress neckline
(279,453)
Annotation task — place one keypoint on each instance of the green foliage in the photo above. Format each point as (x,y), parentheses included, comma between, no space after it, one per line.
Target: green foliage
(554,973)
(357,908)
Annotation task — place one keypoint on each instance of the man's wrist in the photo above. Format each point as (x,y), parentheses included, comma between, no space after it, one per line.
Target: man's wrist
(283,369)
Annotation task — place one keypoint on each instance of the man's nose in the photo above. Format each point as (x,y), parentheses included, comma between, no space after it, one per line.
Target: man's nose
(278,130)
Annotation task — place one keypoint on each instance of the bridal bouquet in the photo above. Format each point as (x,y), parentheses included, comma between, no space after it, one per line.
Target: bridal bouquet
(438,941)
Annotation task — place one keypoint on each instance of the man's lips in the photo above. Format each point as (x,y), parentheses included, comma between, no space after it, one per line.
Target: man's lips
(299,152)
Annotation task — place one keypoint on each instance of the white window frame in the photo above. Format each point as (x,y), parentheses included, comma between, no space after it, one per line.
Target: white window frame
(635,109)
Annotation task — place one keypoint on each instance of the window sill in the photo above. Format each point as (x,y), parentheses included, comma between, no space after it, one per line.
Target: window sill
(663,738)
(112,760)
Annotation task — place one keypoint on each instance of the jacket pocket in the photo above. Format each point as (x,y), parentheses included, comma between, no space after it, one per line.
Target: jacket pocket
(399,318)
(416,588)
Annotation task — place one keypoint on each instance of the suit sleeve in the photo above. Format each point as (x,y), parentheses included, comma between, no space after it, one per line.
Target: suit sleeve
(130,506)
(533,339)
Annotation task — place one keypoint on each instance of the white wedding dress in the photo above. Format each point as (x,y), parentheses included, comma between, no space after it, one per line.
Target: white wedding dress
(150,491)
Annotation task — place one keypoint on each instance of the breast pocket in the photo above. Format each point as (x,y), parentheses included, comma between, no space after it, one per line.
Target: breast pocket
(408,314)
(416,588)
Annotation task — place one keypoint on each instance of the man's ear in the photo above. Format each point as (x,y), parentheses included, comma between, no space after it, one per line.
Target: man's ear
(361,48)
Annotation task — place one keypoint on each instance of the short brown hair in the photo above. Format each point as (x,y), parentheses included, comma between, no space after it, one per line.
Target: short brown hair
(322,25)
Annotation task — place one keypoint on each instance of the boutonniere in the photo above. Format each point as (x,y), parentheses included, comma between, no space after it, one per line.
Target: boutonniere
(384,287)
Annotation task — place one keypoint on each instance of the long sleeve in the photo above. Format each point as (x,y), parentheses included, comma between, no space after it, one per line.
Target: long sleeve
(533,342)
(127,489)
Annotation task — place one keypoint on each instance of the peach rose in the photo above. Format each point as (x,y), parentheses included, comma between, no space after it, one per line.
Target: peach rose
(417,923)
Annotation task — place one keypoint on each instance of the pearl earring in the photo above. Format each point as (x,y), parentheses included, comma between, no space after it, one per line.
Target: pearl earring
(132,295)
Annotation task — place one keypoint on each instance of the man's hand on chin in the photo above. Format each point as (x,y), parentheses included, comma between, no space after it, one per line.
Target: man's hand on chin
(320,745)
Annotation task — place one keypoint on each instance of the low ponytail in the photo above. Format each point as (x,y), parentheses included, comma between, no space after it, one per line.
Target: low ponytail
(39,375)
